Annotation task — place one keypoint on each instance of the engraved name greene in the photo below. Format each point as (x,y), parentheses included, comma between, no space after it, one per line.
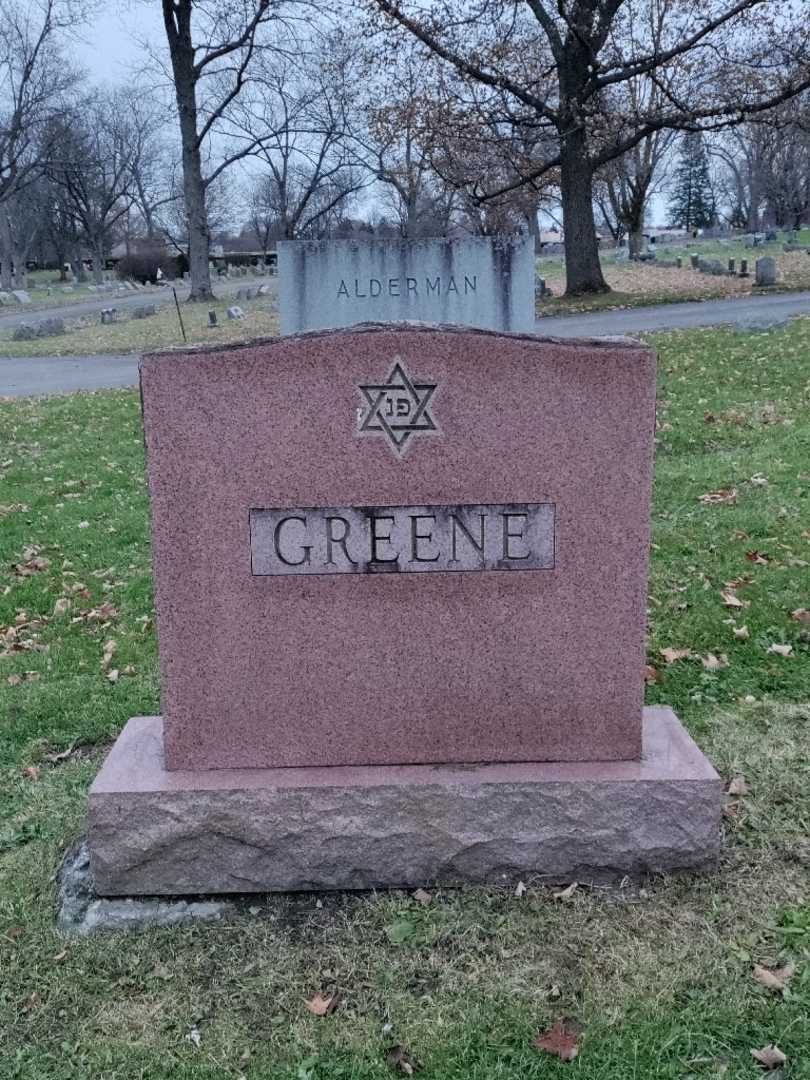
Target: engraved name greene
(402,539)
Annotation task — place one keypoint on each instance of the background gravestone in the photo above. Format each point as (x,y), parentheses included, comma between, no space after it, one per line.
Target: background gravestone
(486,282)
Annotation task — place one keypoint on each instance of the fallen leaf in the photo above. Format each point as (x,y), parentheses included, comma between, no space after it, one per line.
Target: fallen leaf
(32,772)
(59,956)
(759,558)
(769,1057)
(422,897)
(61,607)
(780,650)
(652,674)
(758,480)
(741,633)
(714,663)
(671,655)
(737,786)
(400,1059)
(520,889)
(128,670)
(559,1040)
(801,615)
(567,893)
(112,676)
(731,599)
(33,566)
(721,495)
(109,651)
(14,680)
(63,755)
(321,1005)
(194,1035)
(776,979)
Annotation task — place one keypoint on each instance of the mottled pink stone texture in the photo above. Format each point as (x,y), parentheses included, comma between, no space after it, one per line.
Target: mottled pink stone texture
(353,669)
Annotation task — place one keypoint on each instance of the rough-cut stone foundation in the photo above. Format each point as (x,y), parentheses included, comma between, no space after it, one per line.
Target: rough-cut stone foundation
(154,832)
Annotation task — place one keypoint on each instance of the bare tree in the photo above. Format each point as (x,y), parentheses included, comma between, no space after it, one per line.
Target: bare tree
(297,118)
(736,58)
(34,82)
(93,165)
(212,47)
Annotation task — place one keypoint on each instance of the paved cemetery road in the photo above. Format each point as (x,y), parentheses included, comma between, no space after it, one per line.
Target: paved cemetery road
(752,312)
(59,375)
(29,375)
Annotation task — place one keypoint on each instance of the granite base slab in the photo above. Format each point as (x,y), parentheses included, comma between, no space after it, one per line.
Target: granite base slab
(158,833)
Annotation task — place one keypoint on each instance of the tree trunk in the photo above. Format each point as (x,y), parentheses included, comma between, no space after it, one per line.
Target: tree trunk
(582,267)
(194,185)
(98,262)
(6,277)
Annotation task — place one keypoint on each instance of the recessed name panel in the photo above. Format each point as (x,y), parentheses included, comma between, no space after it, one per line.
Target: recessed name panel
(402,539)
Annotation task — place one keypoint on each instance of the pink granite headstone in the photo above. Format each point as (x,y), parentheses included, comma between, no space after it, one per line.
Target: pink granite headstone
(400,545)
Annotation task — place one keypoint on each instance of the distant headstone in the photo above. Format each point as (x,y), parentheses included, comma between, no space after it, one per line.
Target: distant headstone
(50,327)
(731,266)
(263,290)
(250,294)
(743,267)
(766,271)
(24,332)
(771,235)
(146,311)
(485,282)
(108,315)
(679,263)
(5,298)
(21,296)
(212,318)
(695,261)
(235,312)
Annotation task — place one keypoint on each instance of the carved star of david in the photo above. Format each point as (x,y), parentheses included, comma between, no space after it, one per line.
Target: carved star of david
(397,409)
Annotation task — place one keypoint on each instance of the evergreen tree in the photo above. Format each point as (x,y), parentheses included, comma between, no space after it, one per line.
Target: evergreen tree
(692,203)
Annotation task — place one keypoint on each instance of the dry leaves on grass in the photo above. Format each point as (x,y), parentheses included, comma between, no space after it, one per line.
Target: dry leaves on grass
(721,495)
(108,653)
(400,1059)
(769,1057)
(421,896)
(780,650)
(737,786)
(730,599)
(801,615)
(35,565)
(775,979)
(714,663)
(567,894)
(653,675)
(671,655)
(741,633)
(322,1004)
(561,1040)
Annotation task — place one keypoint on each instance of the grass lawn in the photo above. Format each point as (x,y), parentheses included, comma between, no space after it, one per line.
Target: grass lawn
(639,284)
(161,331)
(658,977)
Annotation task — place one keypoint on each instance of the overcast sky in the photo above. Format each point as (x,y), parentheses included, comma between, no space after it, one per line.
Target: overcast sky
(109,46)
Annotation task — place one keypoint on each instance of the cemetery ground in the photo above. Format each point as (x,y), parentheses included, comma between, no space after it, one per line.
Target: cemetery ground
(678,978)
(637,284)
(84,334)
